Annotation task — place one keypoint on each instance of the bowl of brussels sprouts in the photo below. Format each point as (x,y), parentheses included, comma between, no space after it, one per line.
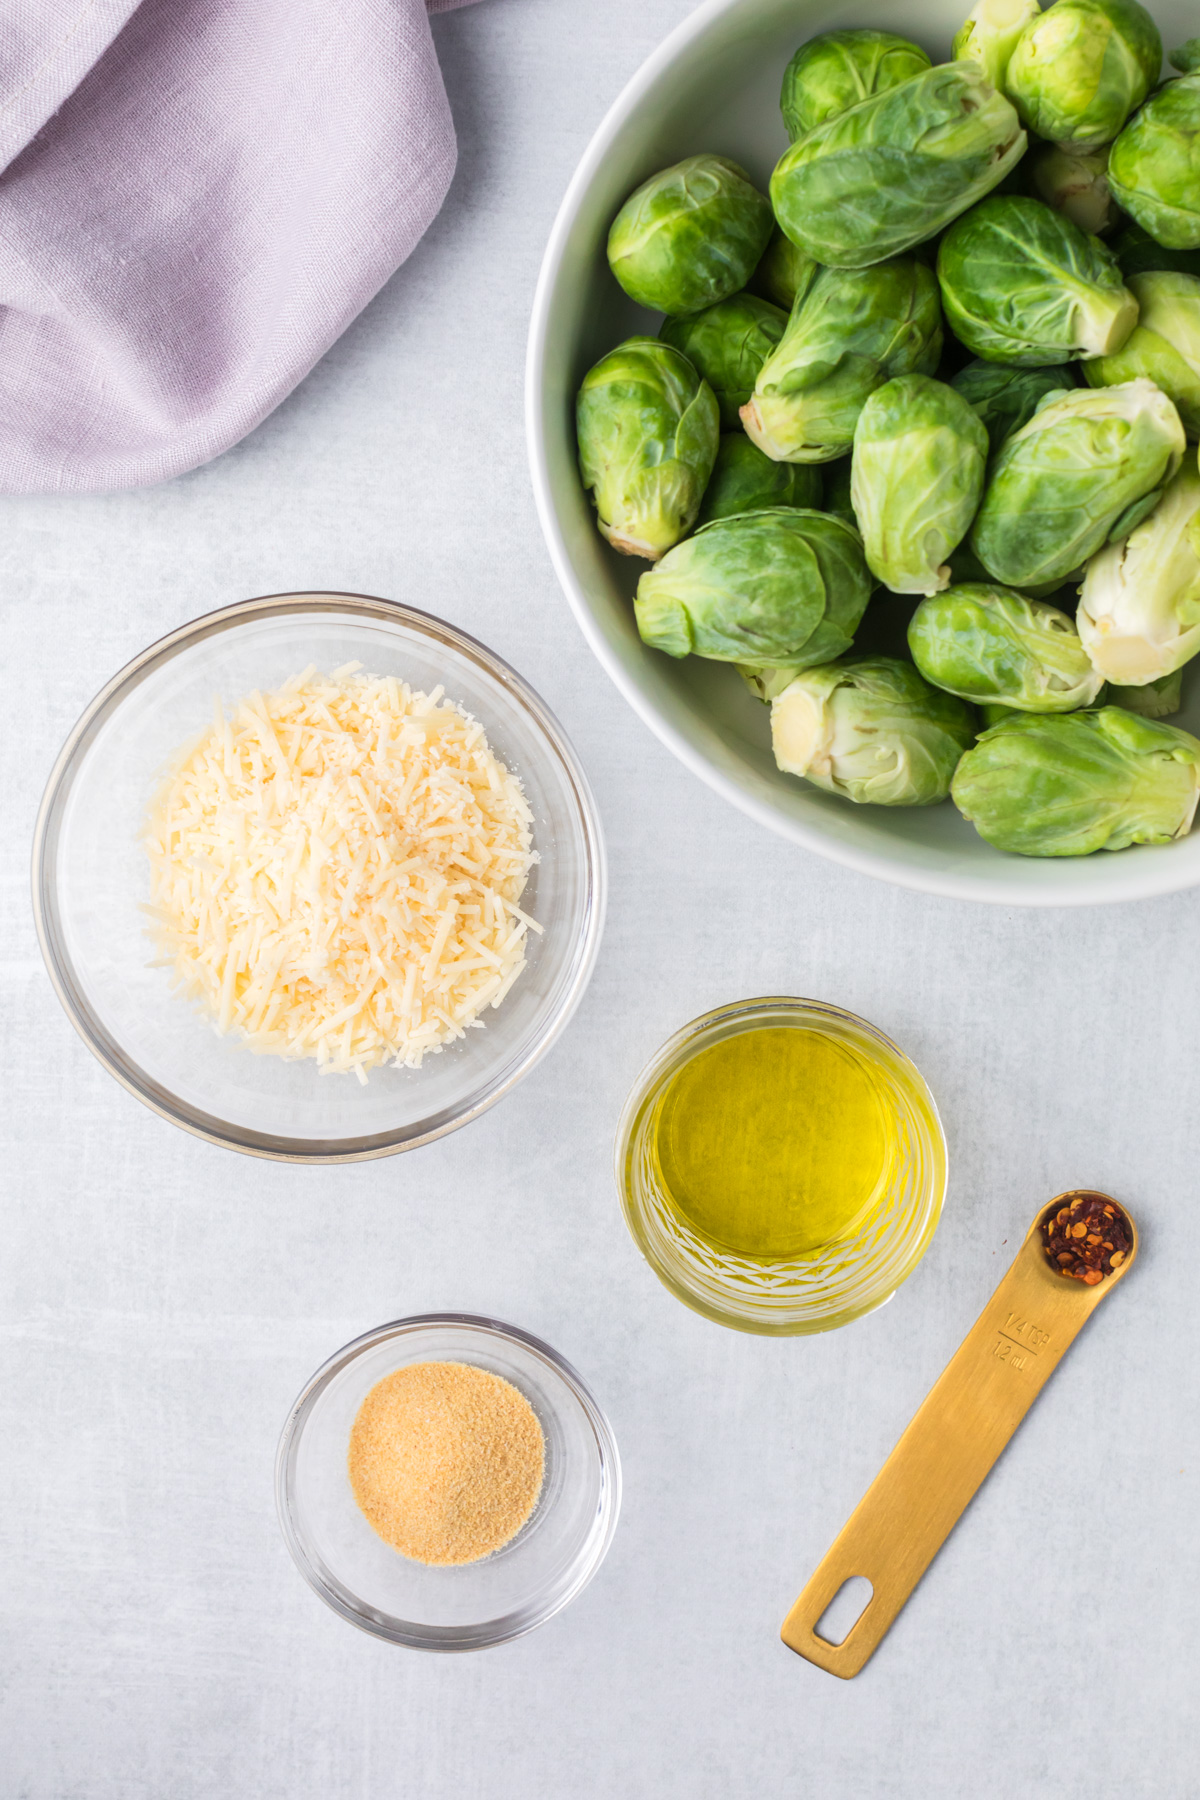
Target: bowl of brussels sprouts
(863,396)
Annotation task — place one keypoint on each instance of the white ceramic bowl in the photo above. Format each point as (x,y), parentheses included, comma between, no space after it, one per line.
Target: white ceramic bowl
(90,877)
(714,85)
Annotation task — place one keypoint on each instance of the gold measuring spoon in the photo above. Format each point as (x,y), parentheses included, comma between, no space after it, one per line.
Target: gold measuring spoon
(954,1437)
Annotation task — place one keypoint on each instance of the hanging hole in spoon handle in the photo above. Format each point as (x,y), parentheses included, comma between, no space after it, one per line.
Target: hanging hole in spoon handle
(961,1427)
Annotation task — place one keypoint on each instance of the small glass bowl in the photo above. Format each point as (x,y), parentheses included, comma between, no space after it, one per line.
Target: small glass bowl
(90,877)
(828,1286)
(473,1605)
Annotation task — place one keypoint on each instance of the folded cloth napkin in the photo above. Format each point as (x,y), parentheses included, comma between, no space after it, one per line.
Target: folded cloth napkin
(196,198)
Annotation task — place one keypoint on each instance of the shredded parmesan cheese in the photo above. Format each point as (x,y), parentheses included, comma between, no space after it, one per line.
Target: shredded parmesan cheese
(335,871)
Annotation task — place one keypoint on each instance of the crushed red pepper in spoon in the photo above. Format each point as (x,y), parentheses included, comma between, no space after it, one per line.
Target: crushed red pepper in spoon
(1088,1238)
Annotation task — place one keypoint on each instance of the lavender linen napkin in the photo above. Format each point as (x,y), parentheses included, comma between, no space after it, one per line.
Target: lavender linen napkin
(196,198)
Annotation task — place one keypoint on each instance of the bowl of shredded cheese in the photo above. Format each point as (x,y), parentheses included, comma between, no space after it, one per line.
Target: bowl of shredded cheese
(318,877)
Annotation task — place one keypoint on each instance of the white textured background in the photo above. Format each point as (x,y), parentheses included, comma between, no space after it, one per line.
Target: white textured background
(163,1301)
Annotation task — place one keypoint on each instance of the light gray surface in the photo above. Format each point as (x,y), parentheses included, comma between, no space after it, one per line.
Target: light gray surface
(164,1301)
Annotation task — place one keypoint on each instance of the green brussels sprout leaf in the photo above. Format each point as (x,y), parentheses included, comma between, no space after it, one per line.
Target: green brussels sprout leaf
(989,34)
(852,330)
(1164,345)
(744,480)
(1057,487)
(781,587)
(838,69)
(919,459)
(1070,783)
(784,272)
(1081,68)
(728,344)
(1154,168)
(1005,398)
(895,169)
(994,646)
(648,428)
(1022,285)
(690,236)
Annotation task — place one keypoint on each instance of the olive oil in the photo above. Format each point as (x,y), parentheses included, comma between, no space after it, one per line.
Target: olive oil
(774,1141)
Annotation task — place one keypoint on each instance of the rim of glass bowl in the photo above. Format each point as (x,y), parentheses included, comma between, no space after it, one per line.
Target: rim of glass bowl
(58,964)
(449,1638)
(644,1094)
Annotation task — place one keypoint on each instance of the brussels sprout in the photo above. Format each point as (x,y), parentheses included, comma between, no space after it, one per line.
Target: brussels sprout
(1068,784)
(1154,167)
(744,480)
(1151,699)
(992,713)
(690,236)
(837,490)
(1021,284)
(1086,467)
(765,682)
(728,344)
(1139,610)
(648,432)
(784,272)
(895,169)
(853,329)
(1081,68)
(1075,183)
(1187,57)
(834,71)
(788,586)
(1138,254)
(917,477)
(1164,345)
(1005,398)
(871,729)
(989,33)
(988,644)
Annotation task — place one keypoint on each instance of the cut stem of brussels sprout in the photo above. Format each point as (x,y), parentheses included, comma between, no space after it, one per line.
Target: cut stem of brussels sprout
(994,646)
(895,169)
(990,33)
(1071,477)
(1022,285)
(1070,783)
(1139,609)
(852,330)
(788,586)
(837,69)
(1154,168)
(916,479)
(648,430)
(1164,345)
(871,730)
(690,236)
(1081,68)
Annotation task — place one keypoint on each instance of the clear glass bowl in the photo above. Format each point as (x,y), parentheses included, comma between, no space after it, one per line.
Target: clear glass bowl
(469,1607)
(90,877)
(839,1281)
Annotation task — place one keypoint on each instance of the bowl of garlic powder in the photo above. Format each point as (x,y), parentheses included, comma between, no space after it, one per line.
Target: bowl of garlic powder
(447,1482)
(318,877)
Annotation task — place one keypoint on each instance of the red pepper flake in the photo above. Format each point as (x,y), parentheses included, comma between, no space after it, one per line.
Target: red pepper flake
(1088,1238)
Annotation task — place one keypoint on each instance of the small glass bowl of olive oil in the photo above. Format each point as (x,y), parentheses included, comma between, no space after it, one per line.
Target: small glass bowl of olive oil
(782,1166)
